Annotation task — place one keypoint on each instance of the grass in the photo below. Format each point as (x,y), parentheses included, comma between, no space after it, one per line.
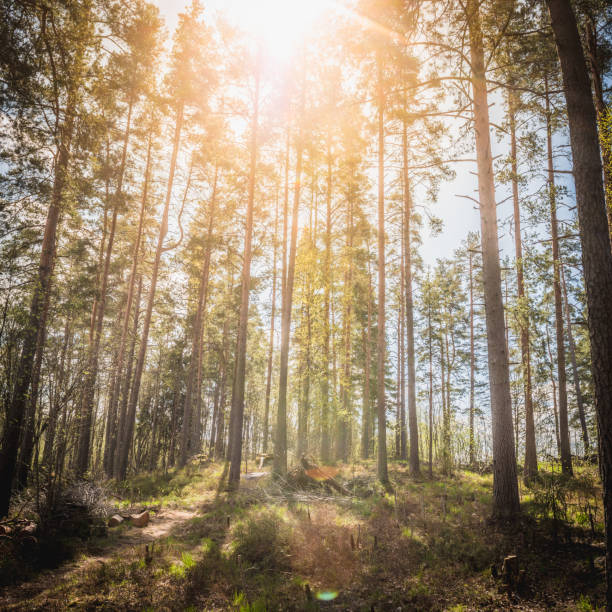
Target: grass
(426,545)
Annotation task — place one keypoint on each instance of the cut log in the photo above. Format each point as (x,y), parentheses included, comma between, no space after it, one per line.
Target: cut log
(140,520)
(324,474)
(115,520)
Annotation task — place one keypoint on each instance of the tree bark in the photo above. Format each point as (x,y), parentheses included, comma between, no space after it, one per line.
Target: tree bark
(472,361)
(128,431)
(33,331)
(381,464)
(594,237)
(325,412)
(576,377)
(111,423)
(85,425)
(266,423)
(196,342)
(401,356)
(415,467)
(531,457)
(430,342)
(505,484)
(344,427)
(237,409)
(603,115)
(366,415)
(566,453)
(280,441)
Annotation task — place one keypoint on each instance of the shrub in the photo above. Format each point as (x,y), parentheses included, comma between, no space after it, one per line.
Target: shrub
(262,539)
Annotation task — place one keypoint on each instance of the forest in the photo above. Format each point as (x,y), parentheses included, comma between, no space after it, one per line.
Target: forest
(306,305)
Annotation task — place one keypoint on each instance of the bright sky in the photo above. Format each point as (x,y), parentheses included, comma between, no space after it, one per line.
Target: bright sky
(270,18)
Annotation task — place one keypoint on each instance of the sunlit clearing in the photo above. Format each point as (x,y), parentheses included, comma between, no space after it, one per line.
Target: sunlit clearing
(280,25)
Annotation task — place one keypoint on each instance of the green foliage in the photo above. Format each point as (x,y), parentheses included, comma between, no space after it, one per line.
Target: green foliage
(263,539)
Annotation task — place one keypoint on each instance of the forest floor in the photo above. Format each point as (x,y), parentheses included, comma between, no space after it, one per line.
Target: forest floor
(421,544)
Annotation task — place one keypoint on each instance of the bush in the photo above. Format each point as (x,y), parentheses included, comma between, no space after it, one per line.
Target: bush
(263,539)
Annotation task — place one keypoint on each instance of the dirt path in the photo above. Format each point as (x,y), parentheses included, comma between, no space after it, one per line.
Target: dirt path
(167,522)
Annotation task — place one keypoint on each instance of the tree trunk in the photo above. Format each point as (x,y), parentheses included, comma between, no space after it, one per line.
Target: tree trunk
(304,413)
(280,441)
(594,237)
(553,383)
(27,444)
(472,361)
(128,430)
(196,343)
(415,467)
(401,361)
(54,410)
(174,411)
(111,423)
(429,336)
(505,484)
(33,331)
(366,416)
(345,386)
(237,409)
(566,453)
(266,423)
(381,465)
(603,115)
(220,424)
(327,279)
(531,458)
(85,425)
(576,377)
(444,373)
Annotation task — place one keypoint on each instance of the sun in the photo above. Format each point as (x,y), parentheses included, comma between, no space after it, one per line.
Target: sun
(280,25)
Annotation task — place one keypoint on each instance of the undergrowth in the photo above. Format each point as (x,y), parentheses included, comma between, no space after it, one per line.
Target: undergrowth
(422,544)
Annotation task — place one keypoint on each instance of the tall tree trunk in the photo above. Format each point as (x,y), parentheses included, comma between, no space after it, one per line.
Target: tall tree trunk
(128,429)
(444,375)
(366,415)
(381,465)
(430,340)
(266,423)
(531,457)
(280,441)
(33,332)
(566,453)
(304,413)
(472,360)
(54,409)
(325,412)
(576,377)
(505,483)
(85,425)
(220,424)
(603,114)
(237,409)
(401,365)
(111,423)
(174,412)
(196,343)
(415,467)
(27,444)
(553,383)
(126,383)
(344,425)
(594,238)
